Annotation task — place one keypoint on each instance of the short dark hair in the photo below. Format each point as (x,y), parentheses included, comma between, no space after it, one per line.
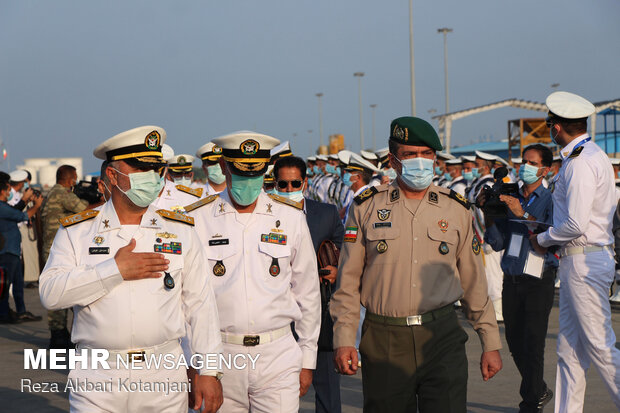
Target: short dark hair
(64,172)
(545,153)
(4,180)
(102,173)
(575,127)
(290,162)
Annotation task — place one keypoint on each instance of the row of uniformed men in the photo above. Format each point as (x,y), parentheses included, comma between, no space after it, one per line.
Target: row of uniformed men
(228,273)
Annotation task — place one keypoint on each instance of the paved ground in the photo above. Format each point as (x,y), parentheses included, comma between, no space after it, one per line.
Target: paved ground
(500,395)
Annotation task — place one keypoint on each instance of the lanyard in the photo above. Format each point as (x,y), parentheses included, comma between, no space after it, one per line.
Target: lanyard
(532,197)
(583,142)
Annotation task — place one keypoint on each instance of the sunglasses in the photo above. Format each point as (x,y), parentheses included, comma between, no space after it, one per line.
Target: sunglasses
(295,183)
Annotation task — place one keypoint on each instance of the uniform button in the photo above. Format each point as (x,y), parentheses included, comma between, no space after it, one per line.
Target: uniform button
(252,322)
(414,285)
(415,261)
(415,239)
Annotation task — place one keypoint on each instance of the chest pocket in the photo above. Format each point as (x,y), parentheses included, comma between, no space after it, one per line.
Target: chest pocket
(442,244)
(220,256)
(381,244)
(274,259)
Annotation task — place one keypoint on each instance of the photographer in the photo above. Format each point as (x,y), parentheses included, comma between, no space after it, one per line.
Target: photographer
(60,202)
(527,294)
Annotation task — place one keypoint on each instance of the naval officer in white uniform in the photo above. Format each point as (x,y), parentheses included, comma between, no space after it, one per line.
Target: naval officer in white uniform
(135,277)
(264,274)
(584,203)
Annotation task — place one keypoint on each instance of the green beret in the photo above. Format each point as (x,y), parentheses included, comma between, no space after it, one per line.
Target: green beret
(414,131)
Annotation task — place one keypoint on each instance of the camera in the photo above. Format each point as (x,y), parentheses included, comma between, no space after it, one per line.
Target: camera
(88,191)
(493,207)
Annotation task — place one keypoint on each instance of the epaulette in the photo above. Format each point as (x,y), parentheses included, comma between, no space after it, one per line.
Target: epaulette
(366,194)
(459,198)
(175,216)
(197,192)
(79,217)
(204,201)
(286,201)
(576,152)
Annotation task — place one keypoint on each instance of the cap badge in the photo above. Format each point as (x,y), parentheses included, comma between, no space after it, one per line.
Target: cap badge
(217,150)
(152,140)
(443,225)
(249,147)
(181,160)
(400,133)
(383,214)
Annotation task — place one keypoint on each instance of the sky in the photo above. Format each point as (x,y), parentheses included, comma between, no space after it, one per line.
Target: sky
(74,73)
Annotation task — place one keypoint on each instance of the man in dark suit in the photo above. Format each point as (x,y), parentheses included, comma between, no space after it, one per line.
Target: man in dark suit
(324,224)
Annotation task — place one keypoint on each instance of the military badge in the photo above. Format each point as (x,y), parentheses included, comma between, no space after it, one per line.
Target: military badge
(219,269)
(274,269)
(278,223)
(217,150)
(154,221)
(443,248)
(383,214)
(272,238)
(350,234)
(443,225)
(382,246)
(181,160)
(152,140)
(106,223)
(269,206)
(400,133)
(394,195)
(249,147)
(432,197)
(165,235)
(221,205)
(168,281)
(475,245)
(168,248)
(98,240)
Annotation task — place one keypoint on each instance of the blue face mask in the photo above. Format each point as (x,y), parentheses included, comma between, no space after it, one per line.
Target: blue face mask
(316,170)
(391,173)
(338,171)
(527,173)
(26,185)
(330,169)
(417,173)
(469,176)
(618,174)
(550,174)
(245,189)
(475,173)
(10,196)
(215,174)
(144,187)
(309,171)
(447,176)
(492,171)
(437,170)
(309,181)
(551,136)
(347,179)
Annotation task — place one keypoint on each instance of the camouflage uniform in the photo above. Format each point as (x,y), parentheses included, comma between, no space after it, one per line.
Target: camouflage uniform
(60,202)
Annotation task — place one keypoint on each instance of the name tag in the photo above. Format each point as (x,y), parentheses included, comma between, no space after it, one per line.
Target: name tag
(98,250)
(213,242)
(382,225)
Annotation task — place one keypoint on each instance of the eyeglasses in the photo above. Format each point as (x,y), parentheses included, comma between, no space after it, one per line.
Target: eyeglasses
(295,183)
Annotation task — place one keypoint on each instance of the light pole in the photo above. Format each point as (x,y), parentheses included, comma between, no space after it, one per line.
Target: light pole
(374,142)
(319,95)
(359,76)
(411,66)
(445,32)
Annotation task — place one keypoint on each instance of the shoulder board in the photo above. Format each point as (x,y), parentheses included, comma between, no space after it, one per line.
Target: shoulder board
(197,192)
(79,217)
(204,201)
(286,201)
(366,194)
(175,216)
(460,199)
(576,152)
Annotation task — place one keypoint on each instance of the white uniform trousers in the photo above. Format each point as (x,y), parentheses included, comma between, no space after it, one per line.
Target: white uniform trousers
(493,271)
(120,397)
(586,335)
(272,387)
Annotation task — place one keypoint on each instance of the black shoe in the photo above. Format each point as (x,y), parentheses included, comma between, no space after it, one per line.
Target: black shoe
(544,399)
(34,284)
(28,316)
(9,319)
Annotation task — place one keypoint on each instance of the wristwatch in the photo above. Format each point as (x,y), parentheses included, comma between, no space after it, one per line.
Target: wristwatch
(525,215)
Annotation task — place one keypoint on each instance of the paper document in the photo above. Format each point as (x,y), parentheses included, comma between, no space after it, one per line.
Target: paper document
(514,249)
(534,264)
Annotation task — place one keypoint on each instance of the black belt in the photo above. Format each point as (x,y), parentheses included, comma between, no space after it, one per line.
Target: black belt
(412,320)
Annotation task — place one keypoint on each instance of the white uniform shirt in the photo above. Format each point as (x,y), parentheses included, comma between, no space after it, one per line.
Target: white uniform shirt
(115,314)
(323,187)
(17,196)
(458,185)
(173,199)
(584,198)
(250,300)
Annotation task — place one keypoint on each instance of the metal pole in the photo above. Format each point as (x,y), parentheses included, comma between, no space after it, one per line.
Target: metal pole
(445,32)
(319,95)
(359,76)
(411,65)
(374,141)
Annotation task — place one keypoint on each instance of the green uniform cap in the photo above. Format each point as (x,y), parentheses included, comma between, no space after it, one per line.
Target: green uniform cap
(414,131)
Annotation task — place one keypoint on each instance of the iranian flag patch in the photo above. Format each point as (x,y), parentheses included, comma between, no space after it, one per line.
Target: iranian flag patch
(350,234)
